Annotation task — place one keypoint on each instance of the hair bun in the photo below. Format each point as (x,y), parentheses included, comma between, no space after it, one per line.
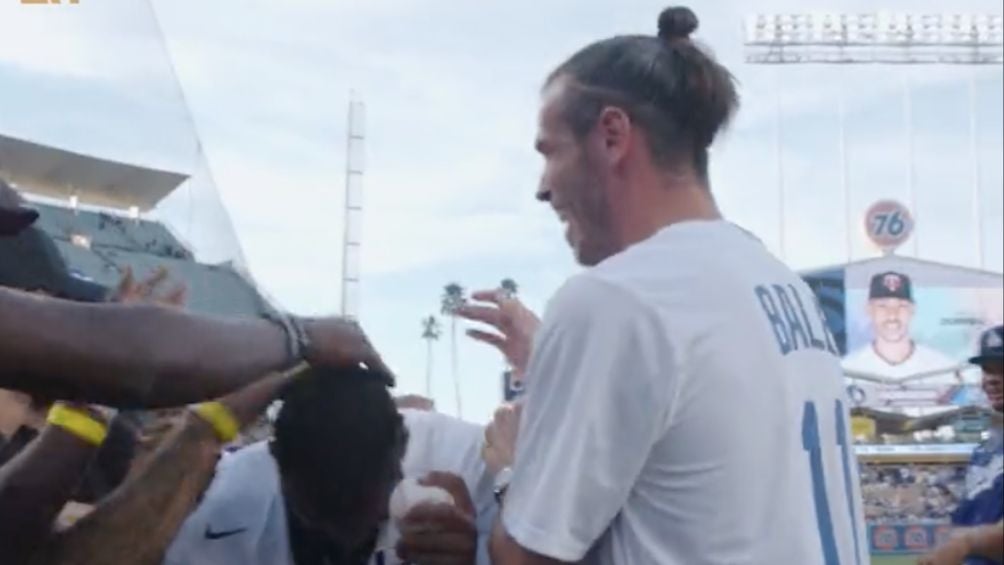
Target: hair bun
(677,22)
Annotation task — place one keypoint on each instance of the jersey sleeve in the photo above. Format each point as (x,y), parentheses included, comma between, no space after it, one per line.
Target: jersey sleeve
(600,389)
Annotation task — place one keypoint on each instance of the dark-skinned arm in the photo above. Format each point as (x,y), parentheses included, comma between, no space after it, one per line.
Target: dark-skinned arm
(141,355)
(138,521)
(979,541)
(35,486)
(987,541)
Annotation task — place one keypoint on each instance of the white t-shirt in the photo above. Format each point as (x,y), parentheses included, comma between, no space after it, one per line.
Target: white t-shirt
(922,360)
(242,518)
(672,392)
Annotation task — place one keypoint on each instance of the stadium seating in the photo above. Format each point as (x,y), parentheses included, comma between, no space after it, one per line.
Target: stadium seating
(911,493)
(99,246)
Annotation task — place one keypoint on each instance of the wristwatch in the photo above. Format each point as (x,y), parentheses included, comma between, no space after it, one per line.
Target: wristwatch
(297,340)
(501,485)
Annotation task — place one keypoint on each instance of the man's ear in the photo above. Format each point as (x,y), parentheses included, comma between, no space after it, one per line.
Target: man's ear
(614,129)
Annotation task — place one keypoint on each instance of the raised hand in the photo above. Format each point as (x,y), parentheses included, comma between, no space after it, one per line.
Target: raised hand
(952,552)
(500,437)
(515,323)
(441,534)
(341,342)
(415,402)
(131,292)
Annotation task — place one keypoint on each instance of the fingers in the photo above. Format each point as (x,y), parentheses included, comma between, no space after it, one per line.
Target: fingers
(492,339)
(446,552)
(148,286)
(126,283)
(438,549)
(428,517)
(368,354)
(374,362)
(485,314)
(437,533)
(177,296)
(452,484)
(495,296)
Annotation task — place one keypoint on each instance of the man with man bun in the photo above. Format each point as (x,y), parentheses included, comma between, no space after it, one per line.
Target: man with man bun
(684,401)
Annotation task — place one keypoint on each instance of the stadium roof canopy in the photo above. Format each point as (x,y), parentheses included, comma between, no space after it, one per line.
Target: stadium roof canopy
(59,173)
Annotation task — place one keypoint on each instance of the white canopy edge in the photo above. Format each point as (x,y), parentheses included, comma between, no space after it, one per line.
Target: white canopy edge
(59,173)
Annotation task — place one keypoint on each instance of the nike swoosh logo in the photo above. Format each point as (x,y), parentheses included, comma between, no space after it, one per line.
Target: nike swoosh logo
(211,535)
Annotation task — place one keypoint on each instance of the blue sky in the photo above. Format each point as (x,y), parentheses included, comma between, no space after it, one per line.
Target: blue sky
(250,97)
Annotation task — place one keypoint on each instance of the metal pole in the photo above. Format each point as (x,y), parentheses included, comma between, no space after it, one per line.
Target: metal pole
(842,117)
(975,156)
(351,246)
(780,167)
(910,181)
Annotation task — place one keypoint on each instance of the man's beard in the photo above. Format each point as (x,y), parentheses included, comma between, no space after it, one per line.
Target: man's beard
(592,211)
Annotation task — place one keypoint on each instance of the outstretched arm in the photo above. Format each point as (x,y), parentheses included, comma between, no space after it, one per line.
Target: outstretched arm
(129,355)
(34,487)
(983,541)
(141,355)
(137,522)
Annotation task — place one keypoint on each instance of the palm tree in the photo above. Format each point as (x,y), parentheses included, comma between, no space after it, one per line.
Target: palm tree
(430,333)
(509,287)
(453,298)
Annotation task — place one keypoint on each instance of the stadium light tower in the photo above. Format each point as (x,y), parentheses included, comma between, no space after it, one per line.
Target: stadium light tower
(352,241)
(880,38)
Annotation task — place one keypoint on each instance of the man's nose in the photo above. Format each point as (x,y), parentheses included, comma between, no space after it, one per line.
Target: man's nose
(543,194)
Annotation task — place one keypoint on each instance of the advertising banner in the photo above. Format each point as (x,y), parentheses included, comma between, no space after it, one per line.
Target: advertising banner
(891,539)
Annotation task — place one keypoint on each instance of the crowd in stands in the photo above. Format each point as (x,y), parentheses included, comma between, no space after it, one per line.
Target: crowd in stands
(911,493)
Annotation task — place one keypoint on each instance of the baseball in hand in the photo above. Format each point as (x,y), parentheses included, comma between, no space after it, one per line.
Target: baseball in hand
(409,494)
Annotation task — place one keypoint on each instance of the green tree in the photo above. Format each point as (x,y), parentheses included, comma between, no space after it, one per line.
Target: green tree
(430,333)
(453,298)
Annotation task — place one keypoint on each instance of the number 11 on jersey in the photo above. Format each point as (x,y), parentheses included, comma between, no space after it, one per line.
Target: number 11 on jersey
(824,518)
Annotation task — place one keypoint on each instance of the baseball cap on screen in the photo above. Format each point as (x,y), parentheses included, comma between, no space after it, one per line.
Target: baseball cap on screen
(891,285)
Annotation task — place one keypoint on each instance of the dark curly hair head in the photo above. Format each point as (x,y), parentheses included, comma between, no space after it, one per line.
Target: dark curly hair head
(338,442)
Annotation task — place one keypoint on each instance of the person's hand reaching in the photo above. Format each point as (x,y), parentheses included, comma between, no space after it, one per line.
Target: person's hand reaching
(515,323)
(500,437)
(247,403)
(129,291)
(440,534)
(952,552)
(341,342)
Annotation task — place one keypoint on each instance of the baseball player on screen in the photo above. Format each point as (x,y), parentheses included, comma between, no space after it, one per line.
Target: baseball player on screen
(893,354)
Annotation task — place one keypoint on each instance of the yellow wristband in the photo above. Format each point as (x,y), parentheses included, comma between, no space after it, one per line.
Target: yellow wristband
(220,418)
(78,423)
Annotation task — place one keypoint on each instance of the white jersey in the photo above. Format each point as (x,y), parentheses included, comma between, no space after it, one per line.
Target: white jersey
(923,359)
(242,518)
(684,406)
